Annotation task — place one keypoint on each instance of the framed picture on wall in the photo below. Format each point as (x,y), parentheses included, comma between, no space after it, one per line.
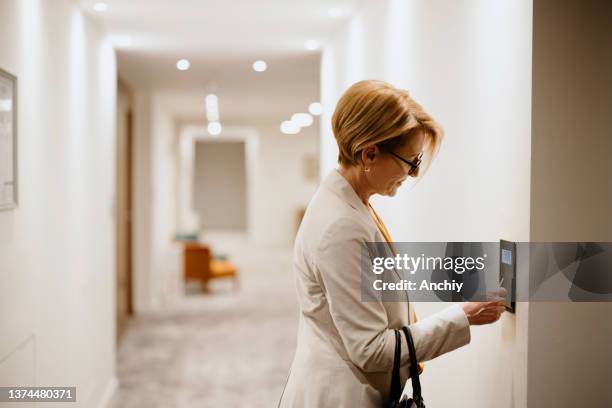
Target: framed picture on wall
(8,140)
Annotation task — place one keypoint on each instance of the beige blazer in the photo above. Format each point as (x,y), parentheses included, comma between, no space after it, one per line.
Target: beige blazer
(345,346)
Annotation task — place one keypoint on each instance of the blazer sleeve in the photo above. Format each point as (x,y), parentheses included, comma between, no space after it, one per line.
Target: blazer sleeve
(363,326)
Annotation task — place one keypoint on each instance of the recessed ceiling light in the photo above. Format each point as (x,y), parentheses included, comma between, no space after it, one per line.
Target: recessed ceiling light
(6,105)
(289,127)
(337,12)
(212,115)
(183,64)
(302,119)
(260,66)
(212,108)
(212,99)
(100,7)
(315,108)
(311,45)
(214,128)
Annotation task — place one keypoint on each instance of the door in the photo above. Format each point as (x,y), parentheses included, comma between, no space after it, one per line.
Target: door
(124,207)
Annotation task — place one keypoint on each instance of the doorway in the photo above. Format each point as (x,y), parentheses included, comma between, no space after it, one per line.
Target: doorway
(124,207)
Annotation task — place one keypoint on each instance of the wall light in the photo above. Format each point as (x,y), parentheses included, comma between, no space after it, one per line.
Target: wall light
(183,64)
(315,108)
(260,66)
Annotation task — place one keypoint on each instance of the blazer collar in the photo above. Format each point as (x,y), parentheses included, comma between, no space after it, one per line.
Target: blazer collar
(336,182)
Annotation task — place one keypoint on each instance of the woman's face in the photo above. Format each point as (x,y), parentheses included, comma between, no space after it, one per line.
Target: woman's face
(386,171)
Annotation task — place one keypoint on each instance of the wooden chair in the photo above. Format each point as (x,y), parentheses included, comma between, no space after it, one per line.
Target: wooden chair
(199,264)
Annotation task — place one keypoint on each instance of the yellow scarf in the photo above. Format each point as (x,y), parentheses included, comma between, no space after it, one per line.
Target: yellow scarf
(385,233)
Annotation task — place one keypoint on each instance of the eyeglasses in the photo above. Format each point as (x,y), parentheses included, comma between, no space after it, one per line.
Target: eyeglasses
(414,166)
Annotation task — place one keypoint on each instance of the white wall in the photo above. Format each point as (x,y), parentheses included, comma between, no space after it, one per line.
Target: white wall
(572,100)
(156,257)
(469,64)
(276,187)
(279,185)
(57,269)
(165,255)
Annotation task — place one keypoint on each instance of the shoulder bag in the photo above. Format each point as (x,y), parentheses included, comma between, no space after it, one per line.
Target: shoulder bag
(396,389)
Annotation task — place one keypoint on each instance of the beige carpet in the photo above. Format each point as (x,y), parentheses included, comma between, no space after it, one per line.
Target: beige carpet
(228,349)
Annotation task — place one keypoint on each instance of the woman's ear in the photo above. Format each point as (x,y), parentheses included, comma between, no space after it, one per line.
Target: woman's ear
(368,155)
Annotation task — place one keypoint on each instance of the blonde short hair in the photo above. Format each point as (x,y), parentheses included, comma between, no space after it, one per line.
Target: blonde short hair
(373,112)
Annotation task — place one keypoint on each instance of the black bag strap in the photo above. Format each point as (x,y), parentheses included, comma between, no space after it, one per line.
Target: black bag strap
(414,371)
(396,385)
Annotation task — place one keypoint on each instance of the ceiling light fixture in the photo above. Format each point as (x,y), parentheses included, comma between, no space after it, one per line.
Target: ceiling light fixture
(260,66)
(214,128)
(6,105)
(212,108)
(289,127)
(315,108)
(100,7)
(183,64)
(212,100)
(302,119)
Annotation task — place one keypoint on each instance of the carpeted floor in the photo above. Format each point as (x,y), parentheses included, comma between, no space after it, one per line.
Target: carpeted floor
(226,349)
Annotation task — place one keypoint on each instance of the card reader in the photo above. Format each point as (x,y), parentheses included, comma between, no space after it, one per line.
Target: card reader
(507,272)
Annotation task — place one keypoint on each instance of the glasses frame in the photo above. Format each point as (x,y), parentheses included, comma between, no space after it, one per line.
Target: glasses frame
(414,166)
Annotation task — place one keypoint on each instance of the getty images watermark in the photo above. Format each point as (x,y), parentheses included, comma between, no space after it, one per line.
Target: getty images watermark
(411,265)
(471,271)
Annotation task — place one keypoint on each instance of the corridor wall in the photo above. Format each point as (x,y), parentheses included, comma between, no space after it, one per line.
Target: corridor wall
(469,64)
(570,344)
(276,184)
(57,270)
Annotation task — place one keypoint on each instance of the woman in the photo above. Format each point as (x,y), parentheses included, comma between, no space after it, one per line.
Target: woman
(345,346)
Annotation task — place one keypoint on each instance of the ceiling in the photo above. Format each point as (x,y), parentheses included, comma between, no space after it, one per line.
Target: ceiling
(221,39)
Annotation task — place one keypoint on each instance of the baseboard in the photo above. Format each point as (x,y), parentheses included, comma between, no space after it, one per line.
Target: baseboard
(108,393)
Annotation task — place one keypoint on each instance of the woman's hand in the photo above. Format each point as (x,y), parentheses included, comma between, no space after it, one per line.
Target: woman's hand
(485,312)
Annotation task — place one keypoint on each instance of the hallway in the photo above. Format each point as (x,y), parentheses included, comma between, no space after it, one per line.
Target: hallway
(149,148)
(209,351)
